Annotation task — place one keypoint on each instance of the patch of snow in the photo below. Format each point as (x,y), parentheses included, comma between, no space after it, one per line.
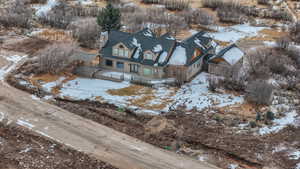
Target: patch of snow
(48,86)
(235,33)
(34,97)
(26,150)
(82,88)
(298,166)
(197,95)
(6,69)
(170,38)
(279,149)
(233,55)
(48,97)
(148,33)
(157,48)
(198,42)
(233,166)
(280,123)
(179,56)
(295,155)
(25,124)
(44,9)
(163,57)
(85,2)
(193,32)
(138,50)
(2,116)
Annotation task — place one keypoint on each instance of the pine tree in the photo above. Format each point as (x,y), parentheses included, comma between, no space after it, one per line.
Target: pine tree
(109,18)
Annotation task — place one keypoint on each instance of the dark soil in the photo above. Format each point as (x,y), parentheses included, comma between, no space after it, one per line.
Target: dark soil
(20,149)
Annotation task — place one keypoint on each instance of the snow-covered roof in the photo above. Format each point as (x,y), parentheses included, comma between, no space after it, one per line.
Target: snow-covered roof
(233,55)
(157,48)
(179,56)
(163,57)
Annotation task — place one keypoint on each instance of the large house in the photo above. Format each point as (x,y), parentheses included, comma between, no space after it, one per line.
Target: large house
(155,57)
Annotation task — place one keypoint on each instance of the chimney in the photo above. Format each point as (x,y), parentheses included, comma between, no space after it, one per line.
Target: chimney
(103,39)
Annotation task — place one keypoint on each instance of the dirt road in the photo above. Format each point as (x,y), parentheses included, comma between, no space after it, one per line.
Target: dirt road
(108,145)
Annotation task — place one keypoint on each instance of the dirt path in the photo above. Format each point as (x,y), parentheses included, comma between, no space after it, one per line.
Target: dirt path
(81,134)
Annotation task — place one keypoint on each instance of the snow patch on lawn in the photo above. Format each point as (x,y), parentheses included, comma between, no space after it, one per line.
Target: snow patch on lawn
(82,88)
(197,95)
(279,124)
(235,33)
(48,86)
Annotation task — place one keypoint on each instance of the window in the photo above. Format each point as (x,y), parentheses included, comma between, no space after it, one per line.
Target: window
(147,71)
(120,65)
(109,63)
(115,52)
(134,68)
(148,56)
(121,52)
(126,53)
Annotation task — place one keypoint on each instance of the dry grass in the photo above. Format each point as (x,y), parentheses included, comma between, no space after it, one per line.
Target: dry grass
(266,35)
(133,90)
(244,111)
(55,35)
(47,78)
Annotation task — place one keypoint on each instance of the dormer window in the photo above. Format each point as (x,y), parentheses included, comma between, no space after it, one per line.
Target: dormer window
(148,56)
(120,51)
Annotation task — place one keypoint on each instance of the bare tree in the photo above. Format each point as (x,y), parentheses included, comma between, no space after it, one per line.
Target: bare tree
(55,58)
(86,31)
(259,92)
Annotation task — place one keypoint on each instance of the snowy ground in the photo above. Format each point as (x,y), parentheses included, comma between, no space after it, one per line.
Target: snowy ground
(192,95)
(234,33)
(13,61)
(279,124)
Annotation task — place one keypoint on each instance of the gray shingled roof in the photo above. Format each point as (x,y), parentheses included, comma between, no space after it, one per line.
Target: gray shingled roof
(147,40)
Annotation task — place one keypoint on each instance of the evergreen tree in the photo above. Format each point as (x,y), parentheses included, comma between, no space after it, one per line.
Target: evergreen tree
(109,18)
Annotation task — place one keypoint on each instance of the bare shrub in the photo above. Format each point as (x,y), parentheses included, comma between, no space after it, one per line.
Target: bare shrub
(214,4)
(151,1)
(231,15)
(259,92)
(263,2)
(283,43)
(55,58)
(231,11)
(176,5)
(86,31)
(38,1)
(16,15)
(198,16)
(59,17)
(212,83)
(155,19)
(295,32)
(258,62)
(294,54)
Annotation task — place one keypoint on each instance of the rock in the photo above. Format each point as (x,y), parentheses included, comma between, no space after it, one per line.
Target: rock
(158,124)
